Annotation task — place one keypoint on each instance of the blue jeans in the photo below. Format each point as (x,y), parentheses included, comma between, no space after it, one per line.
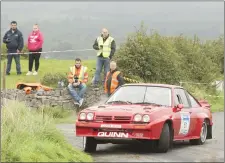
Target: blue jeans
(9,62)
(77,96)
(99,64)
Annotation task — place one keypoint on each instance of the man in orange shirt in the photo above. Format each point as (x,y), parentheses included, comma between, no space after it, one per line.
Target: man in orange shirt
(114,79)
(78,77)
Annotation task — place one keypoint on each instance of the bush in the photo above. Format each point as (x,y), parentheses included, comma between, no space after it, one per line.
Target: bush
(4,51)
(52,79)
(156,58)
(201,91)
(209,93)
(26,137)
(214,50)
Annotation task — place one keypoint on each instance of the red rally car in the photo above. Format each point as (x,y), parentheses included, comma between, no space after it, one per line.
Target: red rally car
(154,114)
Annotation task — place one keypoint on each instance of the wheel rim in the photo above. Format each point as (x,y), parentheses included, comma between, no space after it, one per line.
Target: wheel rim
(84,142)
(203,132)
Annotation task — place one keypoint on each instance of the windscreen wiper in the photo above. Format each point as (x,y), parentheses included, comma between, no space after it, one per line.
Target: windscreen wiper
(148,103)
(119,101)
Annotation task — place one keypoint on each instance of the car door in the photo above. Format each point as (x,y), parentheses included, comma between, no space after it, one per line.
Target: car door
(184,119)
(196,110)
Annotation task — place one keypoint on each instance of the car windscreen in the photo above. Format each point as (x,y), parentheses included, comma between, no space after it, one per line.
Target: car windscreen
(142,95)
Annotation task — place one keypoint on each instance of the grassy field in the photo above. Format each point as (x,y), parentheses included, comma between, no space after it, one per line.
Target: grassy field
(46,66)
(28,137)
(217,103)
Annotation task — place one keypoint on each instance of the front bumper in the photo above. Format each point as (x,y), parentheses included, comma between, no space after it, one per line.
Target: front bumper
(118,131)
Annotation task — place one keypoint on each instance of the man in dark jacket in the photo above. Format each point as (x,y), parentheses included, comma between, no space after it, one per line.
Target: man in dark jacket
(113,80)
(105,46)
(14,44)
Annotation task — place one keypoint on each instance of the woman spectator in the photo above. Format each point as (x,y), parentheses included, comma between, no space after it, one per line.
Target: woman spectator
(35,42)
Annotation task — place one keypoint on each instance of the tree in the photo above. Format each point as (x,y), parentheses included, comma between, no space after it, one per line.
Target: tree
(155,58)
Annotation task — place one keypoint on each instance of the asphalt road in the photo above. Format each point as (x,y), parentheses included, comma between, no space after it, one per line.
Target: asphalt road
(211,151)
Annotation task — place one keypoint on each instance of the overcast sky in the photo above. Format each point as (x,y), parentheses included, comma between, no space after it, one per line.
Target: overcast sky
(206,19)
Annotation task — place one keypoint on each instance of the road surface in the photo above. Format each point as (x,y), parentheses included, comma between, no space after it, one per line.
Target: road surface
(211,151)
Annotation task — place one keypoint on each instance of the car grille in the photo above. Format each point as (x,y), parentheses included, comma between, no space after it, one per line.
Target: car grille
(110,118)
(103,118)
(122,118)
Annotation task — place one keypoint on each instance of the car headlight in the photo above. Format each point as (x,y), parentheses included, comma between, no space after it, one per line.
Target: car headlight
(137,118)
(90,116)
(82,116)
(146,118)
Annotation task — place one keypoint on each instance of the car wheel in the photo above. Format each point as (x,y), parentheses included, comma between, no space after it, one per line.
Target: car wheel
(89,144)
(163,144)
(203,135)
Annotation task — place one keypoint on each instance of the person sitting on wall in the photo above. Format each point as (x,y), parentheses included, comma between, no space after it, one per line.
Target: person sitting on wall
(78,77)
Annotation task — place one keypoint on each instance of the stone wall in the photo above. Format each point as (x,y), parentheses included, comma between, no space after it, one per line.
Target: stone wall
(57,97)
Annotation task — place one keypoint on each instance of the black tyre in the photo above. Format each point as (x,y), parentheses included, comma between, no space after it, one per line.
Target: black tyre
(89,144)
(203,136)
(163,144)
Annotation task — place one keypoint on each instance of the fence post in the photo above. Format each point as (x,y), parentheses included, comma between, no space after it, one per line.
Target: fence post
(3,84)
(43,115)
(180,84)
(3,76)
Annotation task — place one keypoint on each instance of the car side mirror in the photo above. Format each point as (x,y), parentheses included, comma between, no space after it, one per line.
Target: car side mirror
(179,107)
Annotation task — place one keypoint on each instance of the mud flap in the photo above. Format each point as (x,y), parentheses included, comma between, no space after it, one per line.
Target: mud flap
(209,133)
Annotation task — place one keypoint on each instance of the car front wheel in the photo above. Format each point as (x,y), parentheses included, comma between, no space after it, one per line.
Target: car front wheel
(163,144)
(203,135)
(89,144)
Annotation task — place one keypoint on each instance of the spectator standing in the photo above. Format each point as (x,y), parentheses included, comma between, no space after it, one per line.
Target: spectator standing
(13,39)
(113,80)
(106,47)
(35,42)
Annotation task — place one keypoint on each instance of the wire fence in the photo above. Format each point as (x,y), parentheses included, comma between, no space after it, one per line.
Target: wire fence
(46,52)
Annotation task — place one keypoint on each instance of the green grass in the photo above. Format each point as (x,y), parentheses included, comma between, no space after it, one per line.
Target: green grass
(59,115)
(46,66)
(26,136)
(217,103)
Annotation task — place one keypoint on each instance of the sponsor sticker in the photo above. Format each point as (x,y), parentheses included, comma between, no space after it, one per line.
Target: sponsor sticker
(185,123)
(113,134)
(110,126)
(140,135)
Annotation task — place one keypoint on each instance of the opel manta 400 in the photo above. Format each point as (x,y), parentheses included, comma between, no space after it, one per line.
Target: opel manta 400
(153,114)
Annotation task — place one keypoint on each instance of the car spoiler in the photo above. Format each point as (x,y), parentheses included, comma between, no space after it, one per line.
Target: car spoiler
(204,103)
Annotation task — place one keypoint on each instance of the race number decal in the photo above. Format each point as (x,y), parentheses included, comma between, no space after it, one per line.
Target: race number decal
(185,123)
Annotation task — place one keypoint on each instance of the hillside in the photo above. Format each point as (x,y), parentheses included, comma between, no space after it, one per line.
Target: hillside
(27,136)
(75,25)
